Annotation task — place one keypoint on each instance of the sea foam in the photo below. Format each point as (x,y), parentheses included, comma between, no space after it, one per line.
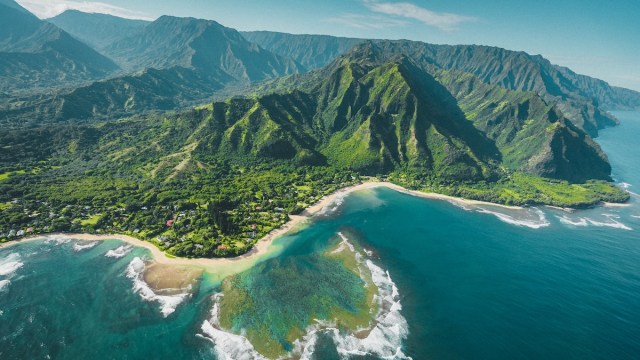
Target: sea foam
(533,224)
(383,340)
(4,284)
(168,303)
(80,246)
(227,346)
(119,252)
(573,222)
(612,222)
(10,264)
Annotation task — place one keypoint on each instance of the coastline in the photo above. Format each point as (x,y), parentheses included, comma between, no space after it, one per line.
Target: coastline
(218,265)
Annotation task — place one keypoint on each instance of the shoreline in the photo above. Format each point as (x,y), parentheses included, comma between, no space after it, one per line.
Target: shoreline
(214,265)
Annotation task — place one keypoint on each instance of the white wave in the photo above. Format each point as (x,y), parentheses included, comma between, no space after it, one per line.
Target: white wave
(460,205)
(333,205)
(612,223)
(625,185)
(385,339)
(168,303)
(10,264)
(56,240)
(573,222)
(635,216)
(79,246)
(119,252)
(4,284)
(229,346)
(533,224)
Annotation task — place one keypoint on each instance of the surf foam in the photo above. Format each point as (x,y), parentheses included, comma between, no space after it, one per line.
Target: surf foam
(383,340)
(612,223)
(168,303)
(573,222)
(227,346)
(10,264)
(80,246)
(119,252)
(533,224)
(56,240)
(4,284)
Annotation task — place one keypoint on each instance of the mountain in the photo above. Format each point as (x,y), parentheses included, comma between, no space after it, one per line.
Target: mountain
(172,62)
(374,112)
(582,98)
(312,51)
(96,30)
(203,45)
(36,54)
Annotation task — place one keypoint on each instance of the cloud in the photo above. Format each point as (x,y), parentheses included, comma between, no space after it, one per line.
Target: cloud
(45,9)
(366,22)
(442,21)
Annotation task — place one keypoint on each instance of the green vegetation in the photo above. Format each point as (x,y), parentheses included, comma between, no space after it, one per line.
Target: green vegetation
(212,180)
(520,189)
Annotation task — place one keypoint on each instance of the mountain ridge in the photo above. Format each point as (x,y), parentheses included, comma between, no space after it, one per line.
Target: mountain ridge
(36,54)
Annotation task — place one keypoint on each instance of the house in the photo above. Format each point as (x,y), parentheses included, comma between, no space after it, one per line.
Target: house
(223,247)
(169,223)
(20,233)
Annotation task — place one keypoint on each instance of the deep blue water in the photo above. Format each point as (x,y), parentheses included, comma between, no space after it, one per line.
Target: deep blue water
(472,284)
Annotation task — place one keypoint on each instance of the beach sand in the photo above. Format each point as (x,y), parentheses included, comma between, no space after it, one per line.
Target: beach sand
(226,266)
(171,279)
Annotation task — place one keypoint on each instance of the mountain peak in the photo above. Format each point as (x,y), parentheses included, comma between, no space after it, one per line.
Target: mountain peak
(14,5)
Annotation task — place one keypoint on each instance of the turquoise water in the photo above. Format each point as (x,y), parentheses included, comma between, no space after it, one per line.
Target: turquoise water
(474,283)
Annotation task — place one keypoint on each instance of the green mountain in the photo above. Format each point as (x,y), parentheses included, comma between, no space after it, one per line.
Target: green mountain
(372,113)
(312,51)
(203,45)
(97,30)
(229,172)
(181,61)
(582,98)
(35,54)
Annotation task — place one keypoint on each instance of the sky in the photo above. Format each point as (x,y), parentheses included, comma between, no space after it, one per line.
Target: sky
(598,38)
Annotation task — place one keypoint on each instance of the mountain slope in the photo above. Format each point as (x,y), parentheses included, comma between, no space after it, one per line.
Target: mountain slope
(180,61)
(581,97)
(203,45)
(312,51)
(36,54)
(97,30)
(530,133)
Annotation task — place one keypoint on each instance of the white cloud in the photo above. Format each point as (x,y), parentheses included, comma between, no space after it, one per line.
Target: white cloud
(45,9)
(442,21)
(366,22)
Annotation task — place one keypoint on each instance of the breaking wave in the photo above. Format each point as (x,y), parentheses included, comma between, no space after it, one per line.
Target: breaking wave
(333,205)
(573,222)
(57,240)
(611,221)
(530,223)
(10,264)
(168,303)
(80,246)
(119,252)
(384,339)
(4,284)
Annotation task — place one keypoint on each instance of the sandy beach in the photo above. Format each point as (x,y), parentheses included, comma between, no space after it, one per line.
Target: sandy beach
(221,265)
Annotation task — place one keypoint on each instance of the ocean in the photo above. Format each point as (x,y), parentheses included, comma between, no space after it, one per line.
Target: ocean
(457,282)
